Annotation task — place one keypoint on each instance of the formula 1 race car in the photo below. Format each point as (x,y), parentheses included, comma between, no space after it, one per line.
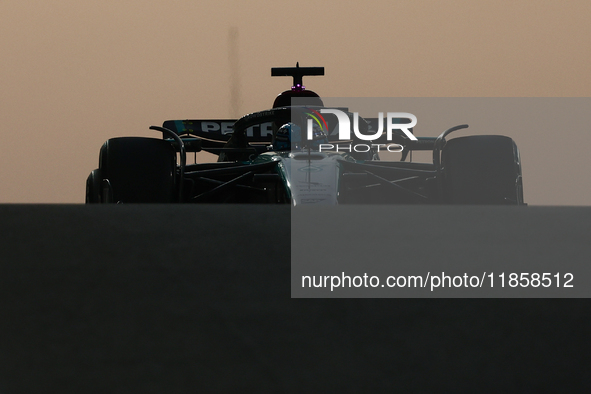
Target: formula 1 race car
(301,152)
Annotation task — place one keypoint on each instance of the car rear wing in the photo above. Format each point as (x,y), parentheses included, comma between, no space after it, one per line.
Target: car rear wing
(213,134)
(258,130)
(215,130)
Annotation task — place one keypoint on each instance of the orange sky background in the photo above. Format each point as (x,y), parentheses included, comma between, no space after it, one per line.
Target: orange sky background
(74,73)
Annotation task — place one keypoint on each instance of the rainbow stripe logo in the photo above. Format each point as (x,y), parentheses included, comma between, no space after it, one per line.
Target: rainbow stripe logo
(320,121)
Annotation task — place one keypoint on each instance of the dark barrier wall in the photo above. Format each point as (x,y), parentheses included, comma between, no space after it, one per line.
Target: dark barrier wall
(160,299)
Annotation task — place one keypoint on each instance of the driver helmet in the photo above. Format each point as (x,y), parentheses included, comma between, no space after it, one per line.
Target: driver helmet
(289,137)
(286,135)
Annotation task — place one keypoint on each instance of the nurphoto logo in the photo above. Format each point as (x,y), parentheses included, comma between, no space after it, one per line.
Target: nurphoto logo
(344,130)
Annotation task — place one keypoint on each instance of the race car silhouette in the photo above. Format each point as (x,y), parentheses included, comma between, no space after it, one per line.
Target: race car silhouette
(294,154)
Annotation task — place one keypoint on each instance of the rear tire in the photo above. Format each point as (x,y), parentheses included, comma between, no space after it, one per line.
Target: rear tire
(484,169)
(93,187)
(139,170)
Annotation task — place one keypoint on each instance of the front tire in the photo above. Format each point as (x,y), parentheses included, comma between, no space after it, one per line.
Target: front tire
(139,170)
(483,169)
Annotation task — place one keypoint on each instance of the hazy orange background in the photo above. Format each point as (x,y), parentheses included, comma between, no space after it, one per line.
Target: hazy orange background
(75,73)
